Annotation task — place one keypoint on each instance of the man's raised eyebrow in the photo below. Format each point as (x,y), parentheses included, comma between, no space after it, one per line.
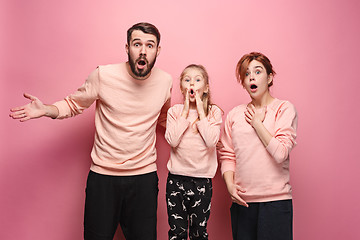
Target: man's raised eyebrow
(138,39)
(259,67)
(135,39)
(152,41)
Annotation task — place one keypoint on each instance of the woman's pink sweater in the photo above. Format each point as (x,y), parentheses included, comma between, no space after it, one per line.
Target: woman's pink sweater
(262,171)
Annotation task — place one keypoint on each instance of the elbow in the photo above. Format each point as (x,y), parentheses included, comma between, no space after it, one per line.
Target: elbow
(173,143)
(279,150)
(211,141)
(281,156)
(211,144)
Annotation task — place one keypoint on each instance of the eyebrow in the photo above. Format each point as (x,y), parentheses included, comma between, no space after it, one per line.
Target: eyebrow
(259,67)
(195,75)
(138,39)
(256,67)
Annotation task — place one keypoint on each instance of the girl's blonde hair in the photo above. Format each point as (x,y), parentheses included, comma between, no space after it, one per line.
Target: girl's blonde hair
(206,95)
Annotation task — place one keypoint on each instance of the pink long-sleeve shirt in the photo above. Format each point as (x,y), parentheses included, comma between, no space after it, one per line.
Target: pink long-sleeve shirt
(193,142)
(262,171)
(126,116)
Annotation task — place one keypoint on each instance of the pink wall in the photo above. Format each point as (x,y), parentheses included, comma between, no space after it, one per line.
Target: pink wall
(49,47)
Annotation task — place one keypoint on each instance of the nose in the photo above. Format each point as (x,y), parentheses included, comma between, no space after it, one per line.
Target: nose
(252,76)
(143,50)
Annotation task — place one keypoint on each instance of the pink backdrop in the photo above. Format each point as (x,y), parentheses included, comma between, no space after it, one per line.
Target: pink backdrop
(49,47)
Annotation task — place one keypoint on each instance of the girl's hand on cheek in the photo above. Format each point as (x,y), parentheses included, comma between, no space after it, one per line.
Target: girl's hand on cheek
(185,111)
(199,105)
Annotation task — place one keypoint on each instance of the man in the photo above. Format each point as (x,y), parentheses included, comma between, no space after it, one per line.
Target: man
(131,98)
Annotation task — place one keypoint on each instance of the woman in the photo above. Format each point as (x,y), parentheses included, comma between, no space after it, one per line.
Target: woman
(254,157)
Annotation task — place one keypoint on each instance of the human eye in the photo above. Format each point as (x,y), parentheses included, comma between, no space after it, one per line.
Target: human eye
(247,74)
(258,72)
(150,46)
(198,80)
(187,80)
(137,44)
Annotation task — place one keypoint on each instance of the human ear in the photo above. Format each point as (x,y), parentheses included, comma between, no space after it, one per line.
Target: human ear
(158,51)
(270,79)
(127,48)
(206,90)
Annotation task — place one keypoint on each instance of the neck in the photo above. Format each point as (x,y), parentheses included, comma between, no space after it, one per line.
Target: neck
(263,101)
(192,105)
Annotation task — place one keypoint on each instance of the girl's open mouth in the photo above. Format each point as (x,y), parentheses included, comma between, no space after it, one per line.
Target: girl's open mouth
(191,93)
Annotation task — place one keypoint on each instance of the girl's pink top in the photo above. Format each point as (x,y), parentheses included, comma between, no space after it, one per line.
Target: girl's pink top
(193,142)
(262,171)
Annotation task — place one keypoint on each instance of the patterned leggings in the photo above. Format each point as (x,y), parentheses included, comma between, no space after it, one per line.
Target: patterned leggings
(188,205)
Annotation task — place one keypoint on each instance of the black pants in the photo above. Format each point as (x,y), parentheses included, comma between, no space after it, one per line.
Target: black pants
(188,205)
(262,221)
(128,200)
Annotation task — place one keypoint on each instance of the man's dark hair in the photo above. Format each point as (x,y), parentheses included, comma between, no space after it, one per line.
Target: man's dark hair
(145,28)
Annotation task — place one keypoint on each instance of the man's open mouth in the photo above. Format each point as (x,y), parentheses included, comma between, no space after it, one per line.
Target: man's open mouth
(142,62)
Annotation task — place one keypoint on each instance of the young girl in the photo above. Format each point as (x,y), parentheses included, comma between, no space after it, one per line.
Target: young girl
(255,155)
(192,130)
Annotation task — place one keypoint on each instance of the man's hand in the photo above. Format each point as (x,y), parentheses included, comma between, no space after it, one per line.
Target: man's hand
(34,109)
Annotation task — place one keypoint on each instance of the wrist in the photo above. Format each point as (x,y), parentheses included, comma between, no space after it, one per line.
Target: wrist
(51,111)
(228,178)
(202,115)
(201,112)
(256,123)
(184,114)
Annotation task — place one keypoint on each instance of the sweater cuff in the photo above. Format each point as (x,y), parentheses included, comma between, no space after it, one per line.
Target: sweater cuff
(63,108)
(227,166)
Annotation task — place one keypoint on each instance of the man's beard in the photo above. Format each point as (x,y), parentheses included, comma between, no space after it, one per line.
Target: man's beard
(141,72)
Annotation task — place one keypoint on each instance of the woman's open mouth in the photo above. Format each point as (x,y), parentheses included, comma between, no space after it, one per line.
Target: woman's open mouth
(253,87)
